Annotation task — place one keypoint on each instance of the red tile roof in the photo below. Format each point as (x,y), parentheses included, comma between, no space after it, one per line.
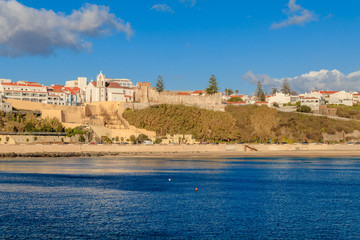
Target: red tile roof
(198,91)
(235,102)
(328,92)
(113,85)
(183,93)
(27,84)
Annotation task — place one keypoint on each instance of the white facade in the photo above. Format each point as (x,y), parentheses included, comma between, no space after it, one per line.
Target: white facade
(122,81)
(341,97)
(312,102)
(81,83)
(104,89)
(56,97)
(22,90)
(279,98)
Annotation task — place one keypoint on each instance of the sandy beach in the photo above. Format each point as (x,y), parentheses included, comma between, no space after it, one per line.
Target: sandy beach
(181,151)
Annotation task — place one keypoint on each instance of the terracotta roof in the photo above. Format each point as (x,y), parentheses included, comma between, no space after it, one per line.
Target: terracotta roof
(23,91)
(27,84)
(128,96)
(55,90)
(183,93)
(198,91)
(235,102)
(94,83)
(262,102)
(113,85)
(328,92)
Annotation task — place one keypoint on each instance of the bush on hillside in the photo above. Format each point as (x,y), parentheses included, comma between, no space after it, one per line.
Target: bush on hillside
(304,109)
(178,119)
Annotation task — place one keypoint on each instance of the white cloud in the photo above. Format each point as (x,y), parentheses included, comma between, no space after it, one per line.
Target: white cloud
(162,8)
(190,2)
(296,15)
(28,31)
(322,80)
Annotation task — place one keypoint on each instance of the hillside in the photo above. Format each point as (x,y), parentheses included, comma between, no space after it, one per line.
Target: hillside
(18,122)
(239,123)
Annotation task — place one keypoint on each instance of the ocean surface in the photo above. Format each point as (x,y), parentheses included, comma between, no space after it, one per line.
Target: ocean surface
(134,198)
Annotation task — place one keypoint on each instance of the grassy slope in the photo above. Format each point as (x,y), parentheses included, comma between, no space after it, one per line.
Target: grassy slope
(237,123)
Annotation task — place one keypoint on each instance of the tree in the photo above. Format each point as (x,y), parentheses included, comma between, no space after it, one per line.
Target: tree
(230,92)
(236,92)
(235,99)
(285,88)
(213,86)
(132,139)
(260,92)
(160,84)
(263,120)
(274,90)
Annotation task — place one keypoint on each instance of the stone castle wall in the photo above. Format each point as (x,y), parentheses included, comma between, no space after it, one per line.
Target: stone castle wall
(147,94)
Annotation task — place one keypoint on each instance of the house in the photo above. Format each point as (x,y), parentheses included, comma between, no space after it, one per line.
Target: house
(312,102)
(106,89)
(356,98)
(279,98)
(73,95)
(23,90)
(55,96)
(341,97)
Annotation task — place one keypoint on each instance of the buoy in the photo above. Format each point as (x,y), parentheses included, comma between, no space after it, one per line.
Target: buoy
(196,189)
(169,179)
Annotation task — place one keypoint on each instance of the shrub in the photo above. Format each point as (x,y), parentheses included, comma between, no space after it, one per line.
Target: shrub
(305,109)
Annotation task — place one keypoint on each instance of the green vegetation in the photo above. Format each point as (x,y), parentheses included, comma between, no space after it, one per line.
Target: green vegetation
(352,112)
(305,109)
(17,122)
(285,88)
(235,99)
(248,123)
(259,93)
(228,92)
(179,119)
(160,87)
(213,85)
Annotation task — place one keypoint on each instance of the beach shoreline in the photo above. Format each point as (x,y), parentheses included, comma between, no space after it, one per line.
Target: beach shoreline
(178,151)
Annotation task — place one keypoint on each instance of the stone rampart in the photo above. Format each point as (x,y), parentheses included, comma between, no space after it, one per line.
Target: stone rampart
(139,106)
(146,94)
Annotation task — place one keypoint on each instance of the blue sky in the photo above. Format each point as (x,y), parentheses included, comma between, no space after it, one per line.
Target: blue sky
(185,41)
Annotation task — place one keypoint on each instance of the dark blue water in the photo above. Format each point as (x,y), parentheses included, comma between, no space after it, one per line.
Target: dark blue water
(113,198)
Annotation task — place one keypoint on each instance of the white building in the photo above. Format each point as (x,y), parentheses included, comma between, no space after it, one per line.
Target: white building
(341,97)
(81,83)
(279,98)
(23,90)
(106,89)
(312,102)
(356,98)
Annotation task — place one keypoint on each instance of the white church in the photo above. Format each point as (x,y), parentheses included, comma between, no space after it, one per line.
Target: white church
(107,89)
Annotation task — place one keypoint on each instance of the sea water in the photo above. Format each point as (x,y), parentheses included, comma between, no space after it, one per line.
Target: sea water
(139,198)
